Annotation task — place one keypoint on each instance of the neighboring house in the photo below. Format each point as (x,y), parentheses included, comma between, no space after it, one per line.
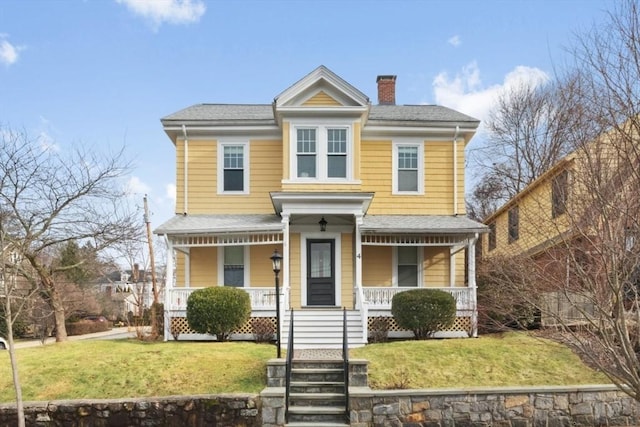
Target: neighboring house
(131,291)
(363,201)
(577,224)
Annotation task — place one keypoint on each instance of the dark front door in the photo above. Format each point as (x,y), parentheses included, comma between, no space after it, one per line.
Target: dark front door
(321,286)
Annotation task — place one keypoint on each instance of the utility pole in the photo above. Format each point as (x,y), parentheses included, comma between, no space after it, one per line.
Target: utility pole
(154,322)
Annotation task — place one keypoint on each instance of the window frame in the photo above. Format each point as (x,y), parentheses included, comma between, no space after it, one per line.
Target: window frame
(513,224)
(245,163)
(322,154)
(395,182)
(559,193)
(247,266)
(420,264)
(491,237)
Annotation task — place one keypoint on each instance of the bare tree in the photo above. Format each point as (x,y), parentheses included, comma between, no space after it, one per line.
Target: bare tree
(52,199)
(581,268)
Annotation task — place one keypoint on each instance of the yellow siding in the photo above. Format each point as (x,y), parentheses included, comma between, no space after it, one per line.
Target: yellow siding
(204,267)
(180,176)
(321,99)
(377,176)
(376,266)
(261,268)
(436,267)
(285,149)
(357,144)
(265,161)
(460,269)
(462,209)
(180,270)
(347,270)
(294,270)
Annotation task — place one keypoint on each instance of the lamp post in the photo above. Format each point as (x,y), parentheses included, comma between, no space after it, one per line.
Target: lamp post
(276,260)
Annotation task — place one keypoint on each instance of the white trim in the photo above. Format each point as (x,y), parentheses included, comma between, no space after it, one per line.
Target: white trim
(321,127)
(247,265)
(420,261)
(337,237)
(245,165)
(421,166)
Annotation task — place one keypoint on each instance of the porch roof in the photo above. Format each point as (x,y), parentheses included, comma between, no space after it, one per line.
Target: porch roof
(235,223)
(420,224)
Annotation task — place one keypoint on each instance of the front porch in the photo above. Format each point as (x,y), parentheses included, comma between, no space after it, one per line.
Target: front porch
(376,304)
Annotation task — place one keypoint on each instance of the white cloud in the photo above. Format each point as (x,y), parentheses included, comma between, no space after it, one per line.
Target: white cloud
(136,186)
(465,92)
(455,41)
(167,11)
(170,192)
(47,142)
(8,52)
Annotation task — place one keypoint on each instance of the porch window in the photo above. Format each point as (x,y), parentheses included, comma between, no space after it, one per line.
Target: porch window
(234,266)
(233,173)
(408,266)
(306,153)
(514,224)
(408,169)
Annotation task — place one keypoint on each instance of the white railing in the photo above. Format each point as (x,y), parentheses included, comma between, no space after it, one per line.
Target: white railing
(261,298)
(380,298)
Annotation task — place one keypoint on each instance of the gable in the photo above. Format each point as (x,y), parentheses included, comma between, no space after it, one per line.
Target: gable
(321,99)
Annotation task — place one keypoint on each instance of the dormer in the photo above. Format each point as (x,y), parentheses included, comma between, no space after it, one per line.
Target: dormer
(321,117)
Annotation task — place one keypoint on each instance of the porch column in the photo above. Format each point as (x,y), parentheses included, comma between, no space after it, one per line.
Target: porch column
(169,284)
(286,256)
(358,255)
(471,274)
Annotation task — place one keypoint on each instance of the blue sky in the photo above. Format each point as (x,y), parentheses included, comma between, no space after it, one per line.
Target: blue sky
(103,72)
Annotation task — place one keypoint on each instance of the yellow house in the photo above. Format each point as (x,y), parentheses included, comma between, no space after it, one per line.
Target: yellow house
(362,201)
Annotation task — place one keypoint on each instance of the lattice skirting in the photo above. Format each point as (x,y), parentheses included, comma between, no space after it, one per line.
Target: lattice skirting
(179,325)
(461,324)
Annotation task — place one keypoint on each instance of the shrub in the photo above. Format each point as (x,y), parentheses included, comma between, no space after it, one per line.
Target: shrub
(218,310)
(424,311)
(379,330)
(82,327)
(263,329)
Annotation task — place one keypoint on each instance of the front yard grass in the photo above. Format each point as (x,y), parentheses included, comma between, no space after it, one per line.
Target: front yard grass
(130,368)
(509,359)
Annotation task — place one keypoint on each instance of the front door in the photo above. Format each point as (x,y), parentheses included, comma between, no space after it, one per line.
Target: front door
(321,286)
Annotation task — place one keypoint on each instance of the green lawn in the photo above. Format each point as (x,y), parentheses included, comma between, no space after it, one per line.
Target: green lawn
(130,368)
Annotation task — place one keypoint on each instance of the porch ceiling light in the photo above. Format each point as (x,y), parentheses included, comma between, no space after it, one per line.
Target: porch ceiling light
(276,260)
(323,224)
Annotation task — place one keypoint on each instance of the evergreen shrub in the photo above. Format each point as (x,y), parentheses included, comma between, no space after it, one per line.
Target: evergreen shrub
(424,311)
(218,310)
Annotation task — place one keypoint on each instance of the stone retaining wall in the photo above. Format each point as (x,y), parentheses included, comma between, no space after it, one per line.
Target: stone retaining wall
(507,407)
(237,410)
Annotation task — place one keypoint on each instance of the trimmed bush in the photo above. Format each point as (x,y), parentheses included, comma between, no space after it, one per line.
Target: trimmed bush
(218,311)
(83,327)
(424,311)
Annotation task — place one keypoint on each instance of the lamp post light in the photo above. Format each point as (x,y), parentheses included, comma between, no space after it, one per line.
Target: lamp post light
(276,260)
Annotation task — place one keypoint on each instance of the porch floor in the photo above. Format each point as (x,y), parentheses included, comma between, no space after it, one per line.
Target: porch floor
(317,354)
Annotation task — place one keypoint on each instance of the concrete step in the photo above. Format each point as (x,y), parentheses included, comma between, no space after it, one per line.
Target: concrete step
(313,424)
(334,414)
(317,387)
(316,399)
(321,374)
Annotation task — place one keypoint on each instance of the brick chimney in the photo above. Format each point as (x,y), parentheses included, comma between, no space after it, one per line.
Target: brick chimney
(386,90)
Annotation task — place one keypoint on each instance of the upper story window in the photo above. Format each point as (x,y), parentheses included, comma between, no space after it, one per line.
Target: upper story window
(408,168)
(559,193)
(233,170)
(322,153)
(514,224)
(492,236)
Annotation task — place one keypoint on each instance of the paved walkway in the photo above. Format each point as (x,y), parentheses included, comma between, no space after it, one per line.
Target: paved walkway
(317,353)
(123,332)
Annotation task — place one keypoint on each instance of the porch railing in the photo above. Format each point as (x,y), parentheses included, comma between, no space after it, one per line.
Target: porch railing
(261,298)
(379,298)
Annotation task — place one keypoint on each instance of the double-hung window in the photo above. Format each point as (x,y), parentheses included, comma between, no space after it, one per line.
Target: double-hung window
(233,170)
(234,268)
(321,153)
(514,224)
(559,193)
(408,271)
(408,168)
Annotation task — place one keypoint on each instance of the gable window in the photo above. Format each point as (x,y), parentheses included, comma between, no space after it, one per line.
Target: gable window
(233,172)
(234,267)
(321,153)
(514,224)
(408,169)
(306,153)
(337,153)
(492,236)
(408,266)
(559,193)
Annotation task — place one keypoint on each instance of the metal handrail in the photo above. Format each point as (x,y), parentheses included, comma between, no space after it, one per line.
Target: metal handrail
(345,363)
(287,386)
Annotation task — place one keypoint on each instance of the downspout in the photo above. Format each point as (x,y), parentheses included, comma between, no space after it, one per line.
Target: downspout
(455,171)
(186,170)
